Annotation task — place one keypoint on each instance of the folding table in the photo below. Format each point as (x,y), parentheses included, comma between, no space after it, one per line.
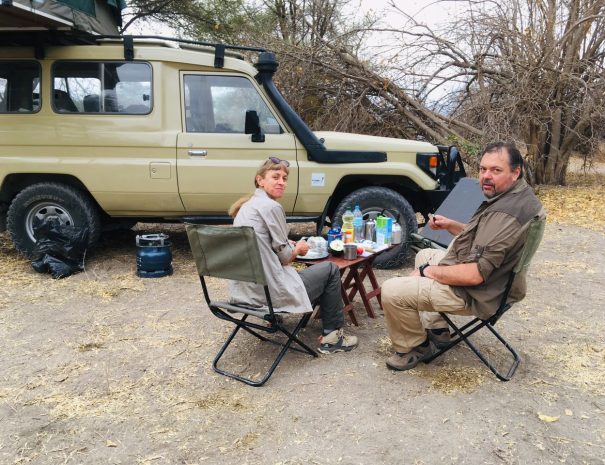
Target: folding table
(355,274)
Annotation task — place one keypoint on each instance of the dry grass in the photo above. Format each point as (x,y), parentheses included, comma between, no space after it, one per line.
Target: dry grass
(107,290)
(446,379)
(551,268)
(20,279)
(113,397)
(580,203)
(384,345)
(580,364)
(450,380)
(577,206)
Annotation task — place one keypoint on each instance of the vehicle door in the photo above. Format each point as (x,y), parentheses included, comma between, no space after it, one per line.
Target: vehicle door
(216,160)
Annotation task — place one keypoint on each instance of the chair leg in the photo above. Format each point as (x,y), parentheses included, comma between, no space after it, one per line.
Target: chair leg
(463,334)
(292,337)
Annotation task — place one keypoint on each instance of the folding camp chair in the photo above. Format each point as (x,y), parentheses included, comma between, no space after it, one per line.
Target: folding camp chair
(536,231)
(232,253)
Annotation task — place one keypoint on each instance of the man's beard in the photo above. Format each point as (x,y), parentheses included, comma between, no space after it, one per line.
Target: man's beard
(490,194)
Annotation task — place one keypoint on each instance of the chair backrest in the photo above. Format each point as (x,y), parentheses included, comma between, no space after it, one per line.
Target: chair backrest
(63,101)
(226,252)
(92,103)
(534,237)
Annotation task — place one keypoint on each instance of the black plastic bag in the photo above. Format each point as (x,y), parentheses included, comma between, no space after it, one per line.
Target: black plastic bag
(60,249)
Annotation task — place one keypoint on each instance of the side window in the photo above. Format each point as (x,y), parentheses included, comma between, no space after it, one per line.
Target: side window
(94,87)
(19,86)
(219,104)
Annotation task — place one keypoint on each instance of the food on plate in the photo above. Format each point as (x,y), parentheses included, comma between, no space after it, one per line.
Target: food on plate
(337,247)
(360,249)
(369,246)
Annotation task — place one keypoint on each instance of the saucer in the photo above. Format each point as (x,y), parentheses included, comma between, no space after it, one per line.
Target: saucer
(312,255)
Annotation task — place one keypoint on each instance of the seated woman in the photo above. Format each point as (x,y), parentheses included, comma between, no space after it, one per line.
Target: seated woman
(290,291)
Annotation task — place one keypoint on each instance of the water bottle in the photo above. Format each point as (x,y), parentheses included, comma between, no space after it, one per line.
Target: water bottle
(347,226)
(357,224)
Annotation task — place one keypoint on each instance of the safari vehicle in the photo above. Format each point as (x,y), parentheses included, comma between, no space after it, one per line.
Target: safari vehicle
(96,130)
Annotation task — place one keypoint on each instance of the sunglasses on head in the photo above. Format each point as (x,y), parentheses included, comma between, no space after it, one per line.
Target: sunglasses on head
(278,161)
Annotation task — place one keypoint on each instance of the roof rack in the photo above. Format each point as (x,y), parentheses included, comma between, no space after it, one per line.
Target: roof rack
(38,39)
(219,49)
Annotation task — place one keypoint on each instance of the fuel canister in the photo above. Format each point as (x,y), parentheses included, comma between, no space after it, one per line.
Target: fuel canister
(154,257)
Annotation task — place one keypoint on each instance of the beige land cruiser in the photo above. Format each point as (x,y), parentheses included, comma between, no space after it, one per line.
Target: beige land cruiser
(99,130)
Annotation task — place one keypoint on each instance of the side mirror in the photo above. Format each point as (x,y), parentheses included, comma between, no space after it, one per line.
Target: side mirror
(454,160)
(252,126)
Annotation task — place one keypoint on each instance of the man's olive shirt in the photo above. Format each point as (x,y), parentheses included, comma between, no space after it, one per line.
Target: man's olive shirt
(494,239)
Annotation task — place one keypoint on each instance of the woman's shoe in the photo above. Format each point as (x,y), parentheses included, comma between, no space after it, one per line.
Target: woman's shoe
(336,341)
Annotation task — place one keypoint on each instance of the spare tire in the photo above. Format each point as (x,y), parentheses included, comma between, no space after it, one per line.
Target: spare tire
(373,201)
(46,201)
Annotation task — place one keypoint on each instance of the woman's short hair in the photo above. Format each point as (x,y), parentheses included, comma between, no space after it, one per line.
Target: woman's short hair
(270,165)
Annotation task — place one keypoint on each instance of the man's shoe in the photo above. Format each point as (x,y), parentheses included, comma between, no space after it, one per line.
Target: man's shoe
(441,339)
(336,341)
(408,361)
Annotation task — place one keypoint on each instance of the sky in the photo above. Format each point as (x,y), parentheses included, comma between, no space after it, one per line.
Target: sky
(430,12)
(427,11)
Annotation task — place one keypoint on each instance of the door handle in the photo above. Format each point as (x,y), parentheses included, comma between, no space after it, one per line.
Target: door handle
(197,153)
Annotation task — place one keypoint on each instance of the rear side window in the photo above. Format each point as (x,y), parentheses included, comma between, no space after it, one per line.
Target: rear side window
(19,86)
(102,87)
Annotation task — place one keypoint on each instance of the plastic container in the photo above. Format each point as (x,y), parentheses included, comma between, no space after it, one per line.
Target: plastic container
(347,226)
(334,234)
(358,235)
(381,231)
(154,257)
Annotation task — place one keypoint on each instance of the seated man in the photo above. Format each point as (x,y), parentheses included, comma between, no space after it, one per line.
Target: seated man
(470,277)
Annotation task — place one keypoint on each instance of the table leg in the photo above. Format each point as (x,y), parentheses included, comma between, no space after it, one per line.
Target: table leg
(359,287)
(355,282)
(348,305)
(375,292)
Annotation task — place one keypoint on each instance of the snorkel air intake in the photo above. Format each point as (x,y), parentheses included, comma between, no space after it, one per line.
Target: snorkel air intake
(316,151)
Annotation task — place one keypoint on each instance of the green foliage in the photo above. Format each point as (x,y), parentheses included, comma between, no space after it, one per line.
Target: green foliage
(217,20)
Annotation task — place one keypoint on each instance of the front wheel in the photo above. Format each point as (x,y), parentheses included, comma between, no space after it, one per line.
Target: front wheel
(376,200)
(48,201)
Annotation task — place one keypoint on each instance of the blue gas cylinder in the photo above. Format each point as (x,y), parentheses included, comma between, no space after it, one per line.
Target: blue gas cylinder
(154,257)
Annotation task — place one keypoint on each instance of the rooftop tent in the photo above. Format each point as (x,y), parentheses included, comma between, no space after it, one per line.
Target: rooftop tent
(89,16)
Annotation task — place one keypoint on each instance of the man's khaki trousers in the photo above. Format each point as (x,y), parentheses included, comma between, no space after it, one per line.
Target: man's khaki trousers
(410,304)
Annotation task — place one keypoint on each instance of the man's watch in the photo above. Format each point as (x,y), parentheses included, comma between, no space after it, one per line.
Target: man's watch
(421,269)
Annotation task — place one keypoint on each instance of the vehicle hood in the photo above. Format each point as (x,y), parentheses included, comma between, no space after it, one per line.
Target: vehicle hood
(346,141)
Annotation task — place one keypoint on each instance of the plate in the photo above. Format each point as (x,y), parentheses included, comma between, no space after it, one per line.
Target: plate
(313,256)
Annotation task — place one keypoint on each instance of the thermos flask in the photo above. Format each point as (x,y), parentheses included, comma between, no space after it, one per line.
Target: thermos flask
(370,230)
(397,234)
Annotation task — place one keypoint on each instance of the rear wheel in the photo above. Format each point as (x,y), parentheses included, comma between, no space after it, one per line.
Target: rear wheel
(48,201)
(376,200)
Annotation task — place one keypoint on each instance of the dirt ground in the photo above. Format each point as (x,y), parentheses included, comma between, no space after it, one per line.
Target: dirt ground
(107,368)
